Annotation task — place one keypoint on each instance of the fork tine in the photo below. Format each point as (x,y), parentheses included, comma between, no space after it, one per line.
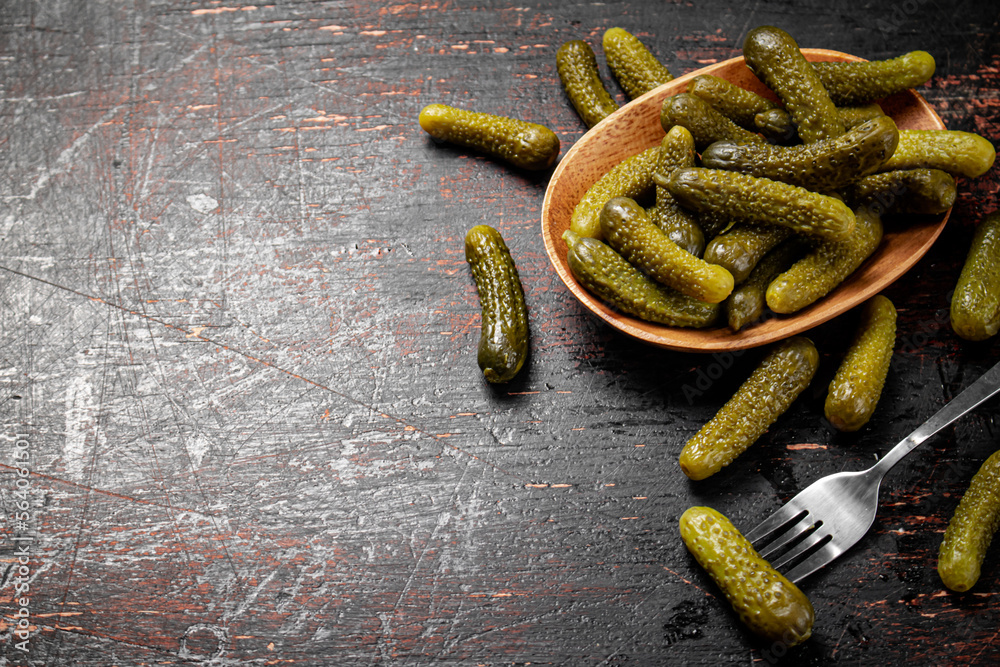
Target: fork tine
(784,514)
(793,534)
(820,558)
(796,552)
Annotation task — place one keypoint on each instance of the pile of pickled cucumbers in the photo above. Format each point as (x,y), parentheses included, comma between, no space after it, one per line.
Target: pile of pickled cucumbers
(749,207)
(753,208)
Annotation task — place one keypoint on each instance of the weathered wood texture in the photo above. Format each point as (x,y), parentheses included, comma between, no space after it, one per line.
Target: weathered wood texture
(237,336)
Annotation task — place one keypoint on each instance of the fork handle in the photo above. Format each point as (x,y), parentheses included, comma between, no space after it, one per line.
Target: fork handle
(972,397)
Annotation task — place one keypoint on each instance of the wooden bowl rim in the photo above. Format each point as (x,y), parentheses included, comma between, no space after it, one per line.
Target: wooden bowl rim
(852,292)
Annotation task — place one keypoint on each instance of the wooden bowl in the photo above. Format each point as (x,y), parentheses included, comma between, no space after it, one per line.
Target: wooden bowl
(636,127)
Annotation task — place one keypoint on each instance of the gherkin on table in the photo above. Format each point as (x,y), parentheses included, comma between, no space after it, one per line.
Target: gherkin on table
(770,605)
(971,529)
(857,386)
(638,71)
(577,68)
(781,376)
(526,145)
(503,342)
(975,305)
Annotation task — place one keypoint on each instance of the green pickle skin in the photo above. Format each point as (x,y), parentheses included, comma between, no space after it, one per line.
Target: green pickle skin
(676,152)
(577,68)
(706,124)
(738,104)
(632,177)
(861,82)
(525,145)
(634,66)
(918,191)
(971,528)
(774,57)
(503,343)
(777,125)
(743,246)
(956,152)
(770,605)
(629,231)
(825,267)
(782,375)
(975,305)
(824,166)
(857,386)
(761,200)
(604,273)
(746,304)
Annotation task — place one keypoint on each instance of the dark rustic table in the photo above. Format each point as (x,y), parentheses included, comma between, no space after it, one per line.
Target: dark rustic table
(243,421)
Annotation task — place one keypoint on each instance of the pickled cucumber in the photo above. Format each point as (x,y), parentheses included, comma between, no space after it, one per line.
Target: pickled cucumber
(634,66)
(676,152)
(629,230)
(632,177)
(855,83)
(743,246)
(971,528)
(778,126)
(767,602)
(738,104)
(603,272)
(761,200)
(782,375)
(975,306)
(746,304)
(825,165)
(919,191)
(577,68)
(503,343)
(856,388)
(705,123)
(520,143)
(774,56)
(959,153)
(825,266)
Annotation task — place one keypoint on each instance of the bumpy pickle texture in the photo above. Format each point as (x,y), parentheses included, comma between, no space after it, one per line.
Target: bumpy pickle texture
(782,375)
(824,166)
(770,605)
(629,230)
(956,152)
(503,344)
(632,177)
(603,272)
(746,304)
(971,528)
(825,266)
(855,83)
(636,68)
(856,388)
(775,58)
(743,246)
(705,123)
(920,191)
(577,67)
(975,305)
(676,152)
(522,144)
(738,104)
(761,200)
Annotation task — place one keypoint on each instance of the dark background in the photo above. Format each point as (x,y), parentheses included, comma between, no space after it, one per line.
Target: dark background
(238,334)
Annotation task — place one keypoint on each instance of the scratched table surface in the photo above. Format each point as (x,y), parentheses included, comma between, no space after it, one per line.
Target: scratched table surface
(242,417)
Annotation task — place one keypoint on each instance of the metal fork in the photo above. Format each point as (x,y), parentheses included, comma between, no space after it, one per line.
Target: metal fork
(830,515)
